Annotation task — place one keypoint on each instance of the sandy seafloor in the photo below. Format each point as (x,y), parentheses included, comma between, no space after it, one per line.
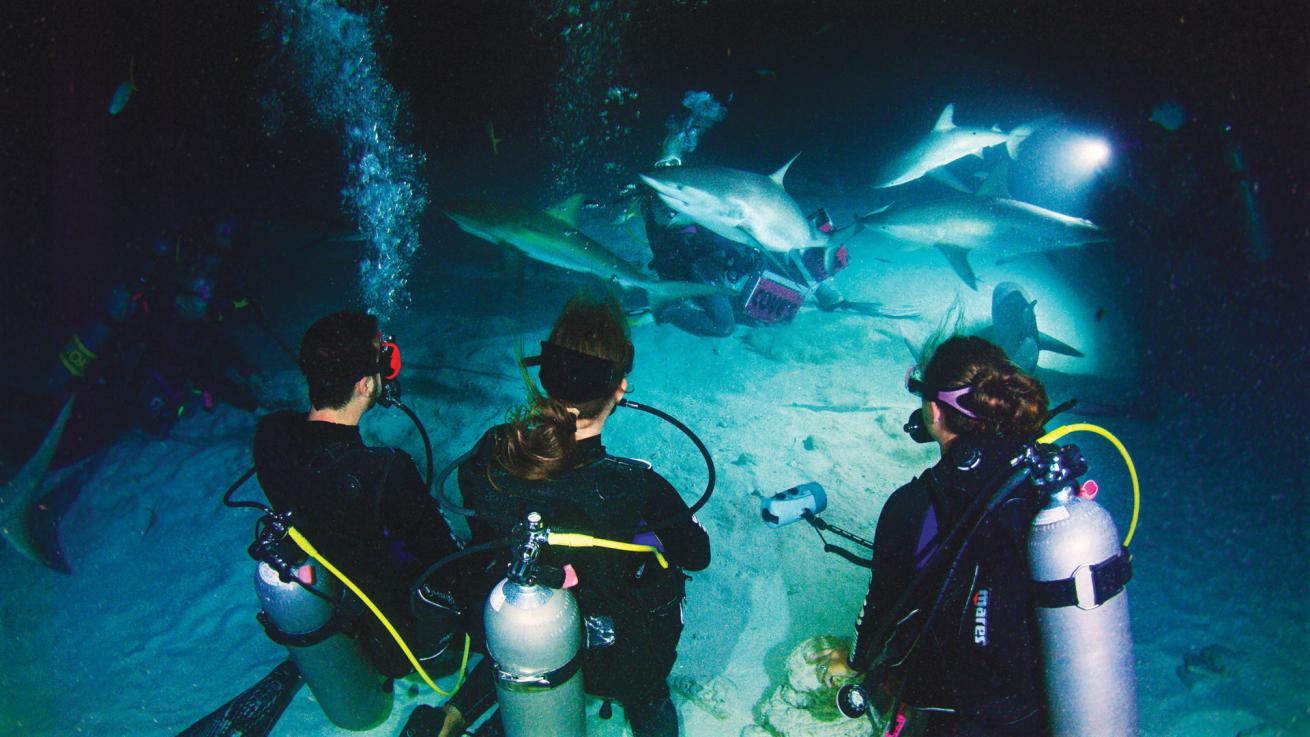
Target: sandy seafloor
(156,626)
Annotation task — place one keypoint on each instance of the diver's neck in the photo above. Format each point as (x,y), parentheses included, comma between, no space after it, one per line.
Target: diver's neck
(347,415)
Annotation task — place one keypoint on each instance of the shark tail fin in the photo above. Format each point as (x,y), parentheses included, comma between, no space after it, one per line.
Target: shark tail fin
(664,293)
(1020,133)
(21,493)
(43,519)
(1055,345)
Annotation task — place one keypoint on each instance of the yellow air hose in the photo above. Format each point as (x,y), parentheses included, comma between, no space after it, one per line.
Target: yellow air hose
(566,539)
(578,540)
(1060,432)
(306,546)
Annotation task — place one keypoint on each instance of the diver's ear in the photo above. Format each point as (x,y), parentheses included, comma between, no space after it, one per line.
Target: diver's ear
(935,416)
(364,387)
(623,389)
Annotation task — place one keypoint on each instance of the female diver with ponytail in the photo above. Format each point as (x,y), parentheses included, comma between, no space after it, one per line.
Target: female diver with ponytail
(962,659)
(548,458)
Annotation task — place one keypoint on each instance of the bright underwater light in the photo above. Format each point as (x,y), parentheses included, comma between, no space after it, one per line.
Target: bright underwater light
(1090,154)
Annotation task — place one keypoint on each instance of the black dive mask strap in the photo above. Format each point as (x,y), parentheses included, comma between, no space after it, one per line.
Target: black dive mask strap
(574,376)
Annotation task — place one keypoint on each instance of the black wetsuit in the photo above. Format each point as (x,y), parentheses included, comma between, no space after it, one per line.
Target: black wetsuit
(976,670)
(605,496)
(367,511)
(696,254)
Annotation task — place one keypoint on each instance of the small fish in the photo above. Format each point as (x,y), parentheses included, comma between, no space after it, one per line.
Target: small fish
(495,142)
(123,93)
(1100,313)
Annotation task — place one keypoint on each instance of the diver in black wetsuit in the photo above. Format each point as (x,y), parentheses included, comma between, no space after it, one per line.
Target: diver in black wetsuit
(549,459)
(696,254)
(366,509)
(974,671)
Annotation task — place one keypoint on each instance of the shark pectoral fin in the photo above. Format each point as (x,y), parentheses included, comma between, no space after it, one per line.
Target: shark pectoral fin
(568,209)
(996,184)
(681,220)
(943,175)
(1055,345)
(958,258)
(663,293)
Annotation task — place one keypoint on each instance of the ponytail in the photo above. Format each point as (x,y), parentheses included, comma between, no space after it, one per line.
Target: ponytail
(540,438)
(1008,401)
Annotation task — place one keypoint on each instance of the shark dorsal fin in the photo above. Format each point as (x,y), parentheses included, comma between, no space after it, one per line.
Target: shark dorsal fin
(946,121)
(568,209)
(779,174)
(995,186)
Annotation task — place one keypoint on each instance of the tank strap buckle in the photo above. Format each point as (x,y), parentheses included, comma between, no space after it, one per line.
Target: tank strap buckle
(1089,586)
(307,639)
(549,679)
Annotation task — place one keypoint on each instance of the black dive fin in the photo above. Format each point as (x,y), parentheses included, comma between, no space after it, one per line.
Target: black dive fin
(1055,345)
(253,712)
(958,258)
(424,721)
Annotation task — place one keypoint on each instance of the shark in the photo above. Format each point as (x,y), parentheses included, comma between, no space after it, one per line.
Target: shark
(25,522)
(948,142)
(988,222)
(1014,328)
(553,237)
(744,207)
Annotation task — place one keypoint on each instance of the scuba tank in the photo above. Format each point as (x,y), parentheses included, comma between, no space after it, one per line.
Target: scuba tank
(1079,570)
(534,638)
(300,603)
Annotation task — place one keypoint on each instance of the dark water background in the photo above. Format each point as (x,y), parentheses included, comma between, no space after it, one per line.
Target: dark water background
(1222,336)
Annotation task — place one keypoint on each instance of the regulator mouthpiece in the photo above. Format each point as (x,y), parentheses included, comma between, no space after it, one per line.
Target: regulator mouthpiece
(916,429)
(791,505)
(853,700)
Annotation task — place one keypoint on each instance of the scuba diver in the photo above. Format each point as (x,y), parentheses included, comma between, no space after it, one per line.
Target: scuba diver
(366,509)
(549,460)
(770,290)
(966,663)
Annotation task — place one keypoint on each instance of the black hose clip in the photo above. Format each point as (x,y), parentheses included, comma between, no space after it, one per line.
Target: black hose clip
(524,567)
(1054,469)
(271,546)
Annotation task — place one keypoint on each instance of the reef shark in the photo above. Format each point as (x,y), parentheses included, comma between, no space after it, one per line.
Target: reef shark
(553,237)
(948,142)
(988,222)
(741,206)
(1014,328)
(23,521)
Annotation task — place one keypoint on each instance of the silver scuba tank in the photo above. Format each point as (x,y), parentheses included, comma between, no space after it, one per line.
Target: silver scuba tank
(343,680)
(534,638)
(1079,570)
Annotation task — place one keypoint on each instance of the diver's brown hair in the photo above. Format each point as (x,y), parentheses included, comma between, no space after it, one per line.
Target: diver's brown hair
(1007,401)
(337,351)
(538,439)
